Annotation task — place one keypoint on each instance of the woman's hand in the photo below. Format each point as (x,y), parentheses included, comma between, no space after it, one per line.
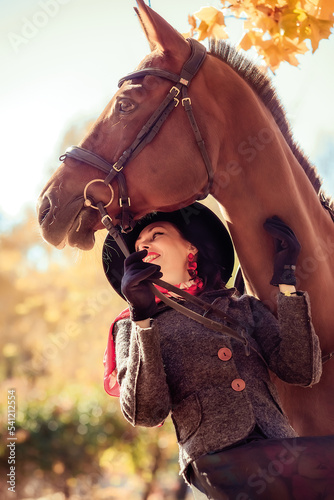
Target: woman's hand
(287,249)
(136,287)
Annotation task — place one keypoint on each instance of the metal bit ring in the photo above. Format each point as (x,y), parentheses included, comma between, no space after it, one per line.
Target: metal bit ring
(88,203)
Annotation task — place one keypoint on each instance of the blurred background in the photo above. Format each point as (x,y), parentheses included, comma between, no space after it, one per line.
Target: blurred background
(61,60)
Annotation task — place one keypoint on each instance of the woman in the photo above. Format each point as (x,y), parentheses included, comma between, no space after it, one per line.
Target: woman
(220,397)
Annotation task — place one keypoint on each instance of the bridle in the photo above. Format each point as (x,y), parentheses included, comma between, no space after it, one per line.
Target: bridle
(148,132)
(114,171)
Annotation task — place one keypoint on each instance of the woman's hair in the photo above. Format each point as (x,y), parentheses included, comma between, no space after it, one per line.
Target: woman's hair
(202,232)
(209,270)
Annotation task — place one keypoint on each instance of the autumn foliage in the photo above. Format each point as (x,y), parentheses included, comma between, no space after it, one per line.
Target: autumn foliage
(278,29)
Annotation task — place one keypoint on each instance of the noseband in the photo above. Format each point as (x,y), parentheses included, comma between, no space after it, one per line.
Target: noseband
(148,132)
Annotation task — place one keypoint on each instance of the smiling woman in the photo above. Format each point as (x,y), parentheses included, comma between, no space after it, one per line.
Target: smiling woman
(227,416)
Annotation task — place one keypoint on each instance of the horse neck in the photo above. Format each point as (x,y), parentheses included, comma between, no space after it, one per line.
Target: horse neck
(257,176)
(256,167)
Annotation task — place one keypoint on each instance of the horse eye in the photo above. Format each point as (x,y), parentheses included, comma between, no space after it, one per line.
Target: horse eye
(125,106)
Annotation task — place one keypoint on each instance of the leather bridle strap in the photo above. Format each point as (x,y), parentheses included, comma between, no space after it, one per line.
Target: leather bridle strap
(153,125)
(186,102)
(97,161)
(86,156)
(146,134)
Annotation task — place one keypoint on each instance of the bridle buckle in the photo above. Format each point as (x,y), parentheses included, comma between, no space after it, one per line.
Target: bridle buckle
(117,169)
(176,90)
(121,201)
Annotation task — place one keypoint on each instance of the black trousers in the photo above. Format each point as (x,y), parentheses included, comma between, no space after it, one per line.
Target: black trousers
(267,469)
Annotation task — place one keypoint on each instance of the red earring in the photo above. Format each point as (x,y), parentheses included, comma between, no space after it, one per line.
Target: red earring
(192,266)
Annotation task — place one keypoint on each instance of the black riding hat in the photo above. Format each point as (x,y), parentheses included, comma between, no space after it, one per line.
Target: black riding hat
(198,225)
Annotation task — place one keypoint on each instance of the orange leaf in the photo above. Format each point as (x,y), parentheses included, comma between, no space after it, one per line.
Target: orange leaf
(315,29)
(210,15)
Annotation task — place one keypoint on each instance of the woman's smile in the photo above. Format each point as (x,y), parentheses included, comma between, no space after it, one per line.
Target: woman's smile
(151,256)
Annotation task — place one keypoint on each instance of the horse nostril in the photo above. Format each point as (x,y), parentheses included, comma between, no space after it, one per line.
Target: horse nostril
(43,210)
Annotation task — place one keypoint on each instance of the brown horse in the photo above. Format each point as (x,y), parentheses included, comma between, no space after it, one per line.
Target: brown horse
(257,172)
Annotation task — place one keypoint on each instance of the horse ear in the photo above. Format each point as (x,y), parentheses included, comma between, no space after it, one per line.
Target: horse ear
(159,33)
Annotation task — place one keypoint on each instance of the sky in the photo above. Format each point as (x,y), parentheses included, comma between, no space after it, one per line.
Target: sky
(61,60)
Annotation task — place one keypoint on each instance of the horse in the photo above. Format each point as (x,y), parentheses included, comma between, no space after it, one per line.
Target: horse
(227,136)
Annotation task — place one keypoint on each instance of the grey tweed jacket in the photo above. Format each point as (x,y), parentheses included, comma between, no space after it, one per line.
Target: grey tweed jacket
(215,393)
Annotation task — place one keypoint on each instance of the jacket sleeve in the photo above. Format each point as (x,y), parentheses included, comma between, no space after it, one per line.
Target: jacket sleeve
(289,342)
(144,393)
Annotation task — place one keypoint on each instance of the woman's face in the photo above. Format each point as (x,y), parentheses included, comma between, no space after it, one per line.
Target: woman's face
(167,248)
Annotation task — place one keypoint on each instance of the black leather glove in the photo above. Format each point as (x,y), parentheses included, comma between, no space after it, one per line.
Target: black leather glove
(287,249)
(136,288)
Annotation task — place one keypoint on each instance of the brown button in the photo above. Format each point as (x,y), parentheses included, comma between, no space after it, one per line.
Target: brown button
(238,384)
(224,354)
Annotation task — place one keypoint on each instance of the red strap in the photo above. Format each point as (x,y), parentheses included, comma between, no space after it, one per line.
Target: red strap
(109,361)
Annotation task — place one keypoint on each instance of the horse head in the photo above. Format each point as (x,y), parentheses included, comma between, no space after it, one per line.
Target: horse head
(154,178)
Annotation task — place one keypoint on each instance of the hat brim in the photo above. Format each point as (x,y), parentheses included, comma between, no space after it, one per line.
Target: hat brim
(196,222)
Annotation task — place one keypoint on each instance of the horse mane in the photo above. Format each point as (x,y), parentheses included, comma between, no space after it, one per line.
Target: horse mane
(262,86)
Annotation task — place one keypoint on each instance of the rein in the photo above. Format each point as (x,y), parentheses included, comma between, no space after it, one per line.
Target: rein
(209,308)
